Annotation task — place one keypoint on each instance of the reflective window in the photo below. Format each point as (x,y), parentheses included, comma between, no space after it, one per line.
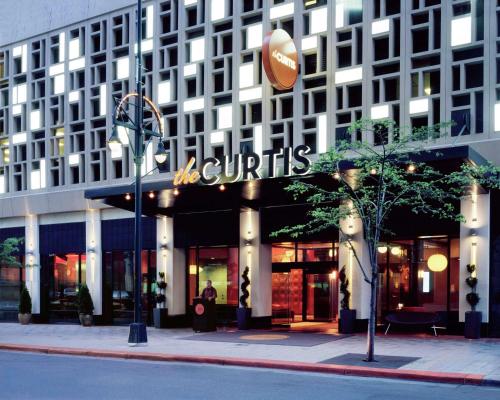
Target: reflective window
(316,251)
(11,278)
(283,252)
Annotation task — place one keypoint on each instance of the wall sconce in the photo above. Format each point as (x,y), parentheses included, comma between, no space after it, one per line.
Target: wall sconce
(91,250)
(473,232)
(248,242)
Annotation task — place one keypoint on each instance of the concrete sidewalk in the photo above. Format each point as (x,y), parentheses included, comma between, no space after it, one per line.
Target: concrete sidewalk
(443,359)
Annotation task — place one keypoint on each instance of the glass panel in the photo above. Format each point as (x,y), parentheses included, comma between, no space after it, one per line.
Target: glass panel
(123,285)
(83,269)
(316,251)
(192,275)
(280,298)
(296,284)
(10,286)
(62,294)
(318,297)
(283,252)
(454,273)
(220,265)
(432,284)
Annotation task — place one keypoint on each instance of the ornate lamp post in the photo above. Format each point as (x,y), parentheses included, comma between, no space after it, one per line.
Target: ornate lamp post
(142,138)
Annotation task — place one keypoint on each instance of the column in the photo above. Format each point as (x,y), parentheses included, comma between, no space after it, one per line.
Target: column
(171,261)
(475,249)
(33,262)
(94,257)
(257,257)
(359,288)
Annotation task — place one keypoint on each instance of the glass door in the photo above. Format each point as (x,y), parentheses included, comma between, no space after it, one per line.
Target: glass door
(319,297)
(281,298)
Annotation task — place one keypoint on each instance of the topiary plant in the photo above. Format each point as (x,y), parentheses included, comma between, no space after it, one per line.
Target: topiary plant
(344,289)
(85,304)
(472,297)
(244,286)
(25,301)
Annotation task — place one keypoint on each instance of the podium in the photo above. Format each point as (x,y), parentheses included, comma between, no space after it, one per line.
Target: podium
(203,315)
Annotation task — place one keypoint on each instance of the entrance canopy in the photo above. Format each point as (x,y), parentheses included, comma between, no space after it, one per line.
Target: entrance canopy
(160,198)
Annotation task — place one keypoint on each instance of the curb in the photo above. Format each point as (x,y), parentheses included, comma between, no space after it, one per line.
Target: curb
(424,376)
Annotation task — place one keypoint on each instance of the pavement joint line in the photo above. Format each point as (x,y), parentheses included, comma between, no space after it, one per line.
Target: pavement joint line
(416,375)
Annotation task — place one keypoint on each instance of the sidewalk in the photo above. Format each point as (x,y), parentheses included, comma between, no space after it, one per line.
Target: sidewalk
(444,359)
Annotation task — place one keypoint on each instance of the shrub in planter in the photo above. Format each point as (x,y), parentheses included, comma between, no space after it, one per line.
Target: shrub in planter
(24,315)
(347,321)
(244,313)
(85,306)
(160,313)
(473,318)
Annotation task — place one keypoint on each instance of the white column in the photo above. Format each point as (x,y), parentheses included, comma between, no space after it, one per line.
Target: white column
(360,290)
(257,257)
(475,249)
(33,262)
(172,261)
(94,257)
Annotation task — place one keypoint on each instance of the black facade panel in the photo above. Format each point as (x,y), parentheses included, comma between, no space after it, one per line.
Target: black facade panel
(17,232)
(207,229)
(118,234)
(62,238)
(273,219)
(494,329)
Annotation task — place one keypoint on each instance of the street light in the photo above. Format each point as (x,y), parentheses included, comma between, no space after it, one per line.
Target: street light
(142,137)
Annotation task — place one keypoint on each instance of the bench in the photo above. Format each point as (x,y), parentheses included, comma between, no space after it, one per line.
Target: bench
(412,318)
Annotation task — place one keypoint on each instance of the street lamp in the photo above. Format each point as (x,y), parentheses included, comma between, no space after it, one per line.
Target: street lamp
(142,138)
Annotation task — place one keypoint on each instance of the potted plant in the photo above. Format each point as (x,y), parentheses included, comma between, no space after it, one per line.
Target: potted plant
(244,313)
(24,315)
(85,306)
(347,320)
(473,318)
(160,313)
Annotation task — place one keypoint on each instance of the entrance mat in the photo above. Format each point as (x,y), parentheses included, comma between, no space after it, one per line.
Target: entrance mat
(267,337)
(356,360)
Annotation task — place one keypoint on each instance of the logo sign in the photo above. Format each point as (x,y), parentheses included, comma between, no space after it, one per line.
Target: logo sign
(280,59)
(245,166)
(199,309)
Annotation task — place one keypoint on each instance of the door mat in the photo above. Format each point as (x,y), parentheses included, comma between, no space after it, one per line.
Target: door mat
(269,337)
(356,360)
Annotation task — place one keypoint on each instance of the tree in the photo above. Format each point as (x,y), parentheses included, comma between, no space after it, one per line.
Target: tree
(372,181)
(9,249)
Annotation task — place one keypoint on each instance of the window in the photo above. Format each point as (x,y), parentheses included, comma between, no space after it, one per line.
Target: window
(11,279)
(219,265)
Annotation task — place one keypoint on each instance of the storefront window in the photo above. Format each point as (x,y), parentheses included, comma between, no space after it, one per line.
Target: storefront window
(283,252)
(421,274)
(218,264)
(289,252)
(68,275)
(316,251)
(11,278)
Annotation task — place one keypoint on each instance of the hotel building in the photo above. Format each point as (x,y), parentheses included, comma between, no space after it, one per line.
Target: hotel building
(418,62)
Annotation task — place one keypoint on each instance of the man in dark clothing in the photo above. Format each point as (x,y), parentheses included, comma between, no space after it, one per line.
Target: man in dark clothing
(209,293)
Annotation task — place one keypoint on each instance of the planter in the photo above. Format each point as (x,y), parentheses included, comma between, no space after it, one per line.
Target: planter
(473,324)
(24,319)
(86,319)
(243,316)
(347,322)
(160,316)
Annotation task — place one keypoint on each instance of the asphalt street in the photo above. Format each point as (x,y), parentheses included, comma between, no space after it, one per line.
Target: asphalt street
(38,376)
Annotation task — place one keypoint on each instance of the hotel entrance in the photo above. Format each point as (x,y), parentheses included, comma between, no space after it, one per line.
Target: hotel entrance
(304,283)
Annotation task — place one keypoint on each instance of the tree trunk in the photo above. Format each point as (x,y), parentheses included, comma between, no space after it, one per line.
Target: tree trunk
(372,322)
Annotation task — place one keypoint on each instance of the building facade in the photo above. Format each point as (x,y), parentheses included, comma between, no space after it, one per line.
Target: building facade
(418,62)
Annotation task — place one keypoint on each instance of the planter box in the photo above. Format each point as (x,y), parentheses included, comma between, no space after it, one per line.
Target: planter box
(347,322)
(86,319)
(243,316)
(160,317)
(24,319)
(473,324)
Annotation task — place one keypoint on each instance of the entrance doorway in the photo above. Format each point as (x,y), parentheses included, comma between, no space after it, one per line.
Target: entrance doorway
(303,295)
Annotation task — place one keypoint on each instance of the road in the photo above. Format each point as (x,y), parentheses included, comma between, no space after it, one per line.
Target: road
(39,376)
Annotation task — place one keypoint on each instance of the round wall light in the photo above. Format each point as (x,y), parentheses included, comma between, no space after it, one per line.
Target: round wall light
(396,251)
(382,249)
(437,262)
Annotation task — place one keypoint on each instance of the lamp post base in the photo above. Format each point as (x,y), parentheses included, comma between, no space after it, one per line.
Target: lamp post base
(138,335)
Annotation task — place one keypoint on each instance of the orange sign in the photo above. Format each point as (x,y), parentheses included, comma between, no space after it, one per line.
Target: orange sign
(280,59)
